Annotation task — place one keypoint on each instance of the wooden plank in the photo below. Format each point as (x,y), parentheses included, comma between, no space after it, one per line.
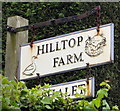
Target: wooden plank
(13,42)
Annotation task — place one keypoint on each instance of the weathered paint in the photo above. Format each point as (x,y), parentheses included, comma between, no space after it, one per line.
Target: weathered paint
(13,42)
(82,46)
(72,87)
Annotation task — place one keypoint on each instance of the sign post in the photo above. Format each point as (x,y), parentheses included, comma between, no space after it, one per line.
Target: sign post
(13,42)
(67,52)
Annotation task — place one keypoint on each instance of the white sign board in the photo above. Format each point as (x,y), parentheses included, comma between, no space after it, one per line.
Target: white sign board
(71,88)
(67,52)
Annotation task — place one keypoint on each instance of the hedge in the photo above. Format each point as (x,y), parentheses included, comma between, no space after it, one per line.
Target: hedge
(43,11)
(16,96)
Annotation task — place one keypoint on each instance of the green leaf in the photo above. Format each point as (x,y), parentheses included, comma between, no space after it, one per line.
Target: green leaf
(56,94)
(102,92)
(81,88)
(105,104)
(61,15)
(5,80)
(97,102)
(14,83)
(13,103)
(48,107)
(105,84)
(21,85)
(115,107)
(77,95)
(47,100)
(24,92)
(47,85)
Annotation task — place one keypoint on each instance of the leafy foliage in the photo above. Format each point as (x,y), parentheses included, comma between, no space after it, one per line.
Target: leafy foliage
(43,11)
(15,95)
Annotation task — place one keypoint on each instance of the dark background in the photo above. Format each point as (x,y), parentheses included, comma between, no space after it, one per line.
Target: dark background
(39,12)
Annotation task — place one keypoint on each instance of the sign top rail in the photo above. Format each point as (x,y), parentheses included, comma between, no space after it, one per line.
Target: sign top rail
(54,21)
(34,42)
